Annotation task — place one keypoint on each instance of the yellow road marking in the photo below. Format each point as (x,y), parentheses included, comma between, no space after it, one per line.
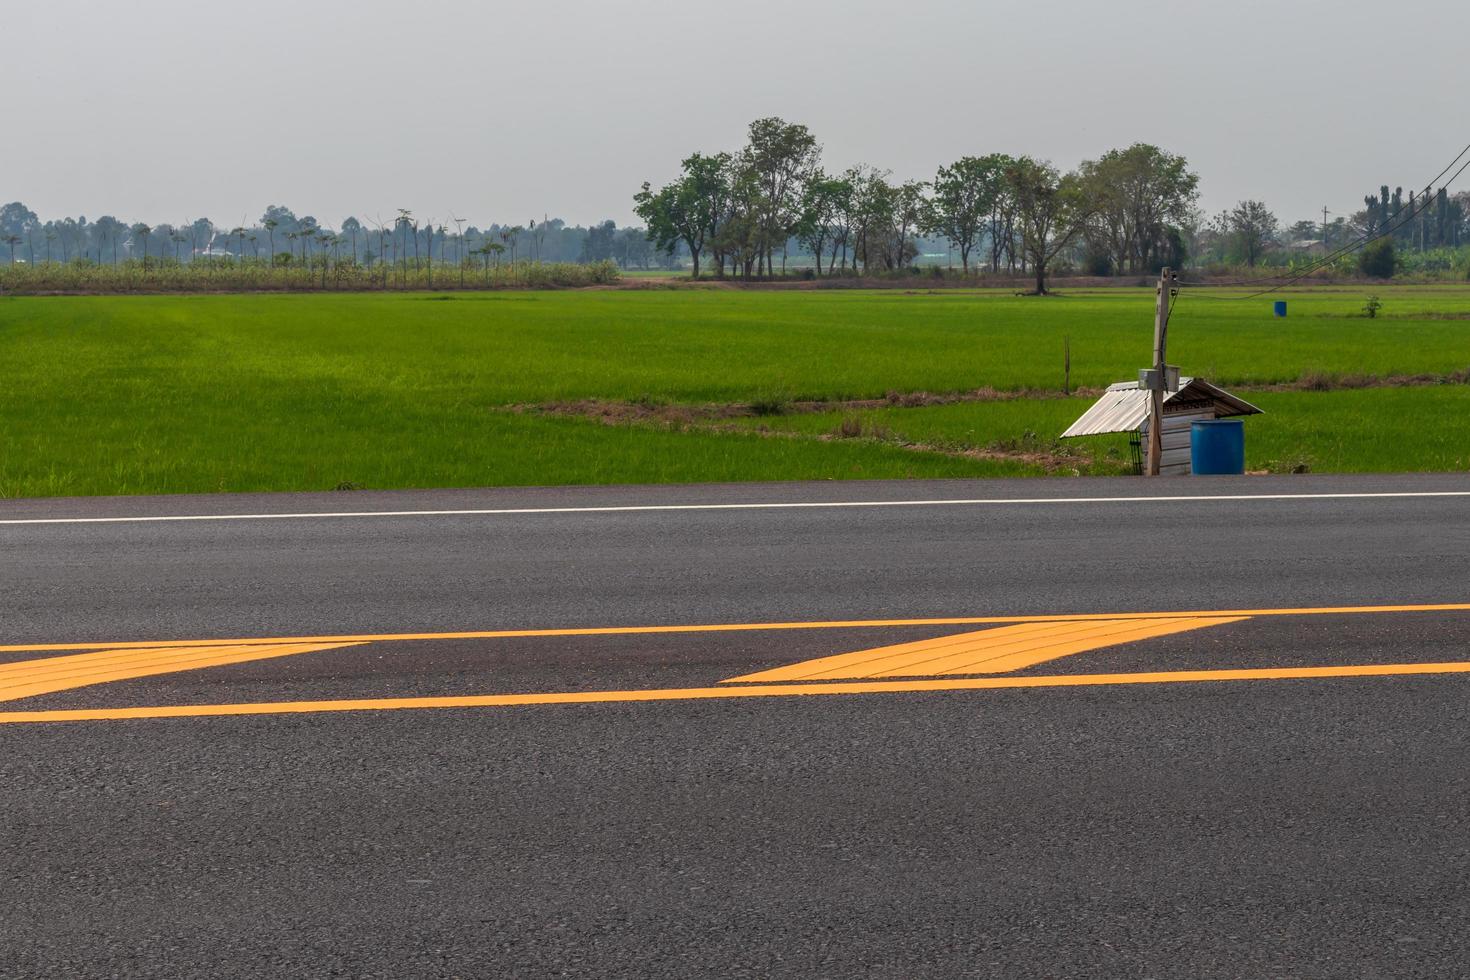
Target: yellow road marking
(736,627)
(30,678)
(736,691)
(992,651)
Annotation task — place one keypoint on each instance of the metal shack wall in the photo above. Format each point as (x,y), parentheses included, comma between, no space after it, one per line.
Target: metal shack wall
(1176,439)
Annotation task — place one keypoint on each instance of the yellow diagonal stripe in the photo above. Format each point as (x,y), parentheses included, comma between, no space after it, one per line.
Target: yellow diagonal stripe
(30,678)
(991,651)
(736,691)
(742,627)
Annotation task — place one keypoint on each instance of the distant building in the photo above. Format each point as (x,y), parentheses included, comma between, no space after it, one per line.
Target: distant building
(1309,246)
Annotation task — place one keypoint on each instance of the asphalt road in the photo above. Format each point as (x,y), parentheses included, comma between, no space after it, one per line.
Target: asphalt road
(1220,827)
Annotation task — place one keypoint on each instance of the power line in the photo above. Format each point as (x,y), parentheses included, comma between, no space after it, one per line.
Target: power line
(1409,217)
(1366,239)
(1350,247)
(1286,279)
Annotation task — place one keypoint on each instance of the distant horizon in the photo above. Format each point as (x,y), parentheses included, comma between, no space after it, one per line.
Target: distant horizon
(627,220)
(168,110)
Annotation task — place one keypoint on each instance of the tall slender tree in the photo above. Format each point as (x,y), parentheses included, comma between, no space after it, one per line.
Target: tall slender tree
(964,198)
(1050,212)
(141,232)
(781,156)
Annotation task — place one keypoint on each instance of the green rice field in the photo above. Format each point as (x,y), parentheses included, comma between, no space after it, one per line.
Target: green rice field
(165,394)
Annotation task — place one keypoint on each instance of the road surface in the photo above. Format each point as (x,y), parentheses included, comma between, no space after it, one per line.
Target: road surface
(1202,728)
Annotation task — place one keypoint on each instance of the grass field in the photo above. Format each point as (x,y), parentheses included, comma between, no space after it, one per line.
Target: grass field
(141,394)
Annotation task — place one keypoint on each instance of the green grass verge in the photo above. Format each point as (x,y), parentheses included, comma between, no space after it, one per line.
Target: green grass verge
(143,394)
(356,449)
(1418,429)
(713,345)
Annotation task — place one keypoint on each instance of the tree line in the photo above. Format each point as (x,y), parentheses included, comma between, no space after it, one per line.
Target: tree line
(1130,211)
(280,239)
(757,211)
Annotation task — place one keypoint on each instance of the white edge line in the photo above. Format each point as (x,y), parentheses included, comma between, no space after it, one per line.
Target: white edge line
(793,505)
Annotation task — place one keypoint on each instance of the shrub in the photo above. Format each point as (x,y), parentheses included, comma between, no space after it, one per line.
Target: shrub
(1378,260)
(1097,263)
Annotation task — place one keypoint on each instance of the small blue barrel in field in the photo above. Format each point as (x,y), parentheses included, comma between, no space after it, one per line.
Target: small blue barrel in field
(1280,307)
(1217,447)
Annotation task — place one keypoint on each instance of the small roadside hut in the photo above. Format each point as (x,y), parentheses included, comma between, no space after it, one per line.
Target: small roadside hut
(1124,408)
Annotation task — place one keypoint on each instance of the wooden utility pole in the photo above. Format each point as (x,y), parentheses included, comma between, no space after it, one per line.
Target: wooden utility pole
(1067,365)
(1159,376)
(1325,213)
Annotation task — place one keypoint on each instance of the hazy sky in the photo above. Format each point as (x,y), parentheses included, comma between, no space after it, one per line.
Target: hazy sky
(165,110)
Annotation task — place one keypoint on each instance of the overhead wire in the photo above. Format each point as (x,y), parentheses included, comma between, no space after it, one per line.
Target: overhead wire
(1361,241)
(1413,213)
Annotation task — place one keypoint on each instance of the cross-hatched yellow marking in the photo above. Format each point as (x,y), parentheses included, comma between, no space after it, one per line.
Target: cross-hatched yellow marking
(992,651)
(30,678)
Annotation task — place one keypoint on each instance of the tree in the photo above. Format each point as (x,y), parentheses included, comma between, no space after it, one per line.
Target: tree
(842,212)
(822,203)
(1302,231)
(871,214)
(1378,260)
(906,212)
(511,233)
(740,236)
(17,219)
(12,240)
(965,195)
(1133,196)
(142,231)
(401,226)
(271,224)
(352,226)
(600,243)
(202,228)
(781,156)
(1252,225)
(68,229)
(1000,225)
(688,210)
(306,234)
(108,230)
(488,248)
(1050,212)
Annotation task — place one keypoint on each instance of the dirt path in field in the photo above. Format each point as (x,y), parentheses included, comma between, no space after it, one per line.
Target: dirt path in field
(721,418)
(621,413)
(1049,455)
(616,412)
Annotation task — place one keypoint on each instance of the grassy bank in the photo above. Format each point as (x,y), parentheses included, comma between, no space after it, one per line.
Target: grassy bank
(1346,431)
(139,394)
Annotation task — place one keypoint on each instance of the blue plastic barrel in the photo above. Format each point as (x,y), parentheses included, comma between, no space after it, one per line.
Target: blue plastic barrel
(1217,447)
(1281,307)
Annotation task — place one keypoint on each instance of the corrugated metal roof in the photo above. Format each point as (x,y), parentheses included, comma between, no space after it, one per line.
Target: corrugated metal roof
(1124,406)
